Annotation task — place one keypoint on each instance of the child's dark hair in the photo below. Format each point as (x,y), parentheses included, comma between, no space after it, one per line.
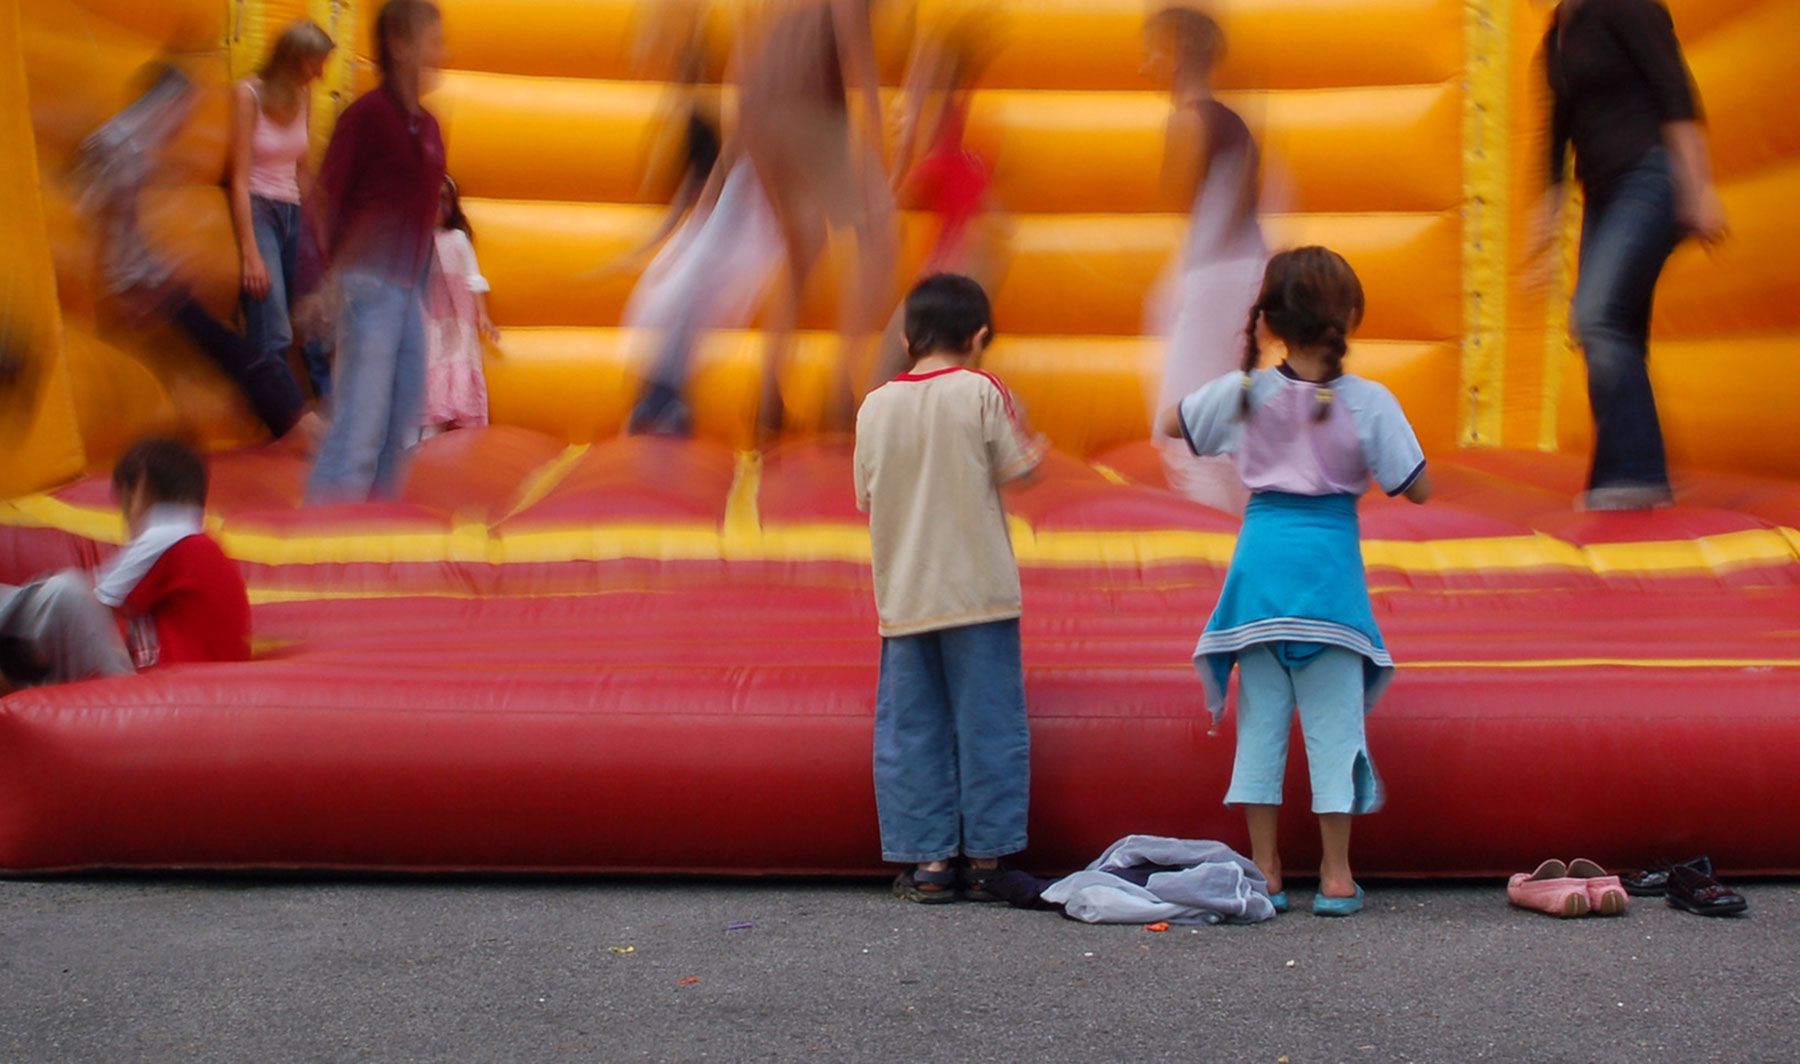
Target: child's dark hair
(168,469)
(1195,35)
(968,42)
(400,20)
(944,312)
(1310,298)
(457,219)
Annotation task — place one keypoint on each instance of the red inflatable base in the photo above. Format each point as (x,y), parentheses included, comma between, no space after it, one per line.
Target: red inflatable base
(709,708)
(679,732)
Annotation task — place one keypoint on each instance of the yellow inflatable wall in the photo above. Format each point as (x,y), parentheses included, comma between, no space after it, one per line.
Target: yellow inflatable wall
(1405,133)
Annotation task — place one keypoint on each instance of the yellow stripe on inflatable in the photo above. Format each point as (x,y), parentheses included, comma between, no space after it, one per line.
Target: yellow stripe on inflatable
(1622,663)
(745,538)
(47,511)
(546,477)
(741,516)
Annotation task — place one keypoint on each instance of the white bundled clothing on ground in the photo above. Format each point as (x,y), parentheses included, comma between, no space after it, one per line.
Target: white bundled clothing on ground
(1203,882)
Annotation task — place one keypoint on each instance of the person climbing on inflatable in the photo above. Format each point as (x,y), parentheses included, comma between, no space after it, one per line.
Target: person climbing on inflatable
(169,597)
(1294,616)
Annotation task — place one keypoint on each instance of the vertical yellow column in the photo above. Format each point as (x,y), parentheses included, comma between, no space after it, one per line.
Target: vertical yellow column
(1534,366)
(245,36)
(1559,343)
(40,440)
(336,89)
(1487,28)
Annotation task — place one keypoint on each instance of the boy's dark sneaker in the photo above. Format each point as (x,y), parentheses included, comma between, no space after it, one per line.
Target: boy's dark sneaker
(973,883)
(926,888)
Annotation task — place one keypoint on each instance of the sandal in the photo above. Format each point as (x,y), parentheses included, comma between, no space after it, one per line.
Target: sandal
(926,888)
(972,883)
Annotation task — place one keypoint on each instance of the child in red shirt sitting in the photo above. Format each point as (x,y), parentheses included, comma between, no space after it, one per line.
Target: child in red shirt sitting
(176,595)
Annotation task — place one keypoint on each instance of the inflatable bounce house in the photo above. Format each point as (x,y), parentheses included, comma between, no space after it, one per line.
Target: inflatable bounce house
(567,649)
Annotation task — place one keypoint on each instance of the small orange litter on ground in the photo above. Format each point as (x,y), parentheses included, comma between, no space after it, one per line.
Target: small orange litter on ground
(1158,926)
(689,981)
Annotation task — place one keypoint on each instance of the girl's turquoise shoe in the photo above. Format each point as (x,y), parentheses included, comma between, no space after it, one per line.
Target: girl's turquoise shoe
(1279,900)
(1323,906)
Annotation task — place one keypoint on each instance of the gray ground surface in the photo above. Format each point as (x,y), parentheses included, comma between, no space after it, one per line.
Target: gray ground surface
(127,969)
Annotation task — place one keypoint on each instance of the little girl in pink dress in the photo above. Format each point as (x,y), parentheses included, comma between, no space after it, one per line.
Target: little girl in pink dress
(456,323)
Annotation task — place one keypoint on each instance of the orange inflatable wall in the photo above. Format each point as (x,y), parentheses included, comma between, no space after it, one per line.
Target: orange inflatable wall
(1403,132)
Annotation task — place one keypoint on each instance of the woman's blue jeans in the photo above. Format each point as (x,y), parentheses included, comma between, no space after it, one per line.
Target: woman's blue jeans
(267,321)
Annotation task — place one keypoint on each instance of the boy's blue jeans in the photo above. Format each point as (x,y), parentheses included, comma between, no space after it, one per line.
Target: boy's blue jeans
(952,749)
(1625,239)
(379,393)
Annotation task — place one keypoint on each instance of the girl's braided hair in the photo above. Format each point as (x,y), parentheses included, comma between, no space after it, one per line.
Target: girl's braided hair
(1310,298)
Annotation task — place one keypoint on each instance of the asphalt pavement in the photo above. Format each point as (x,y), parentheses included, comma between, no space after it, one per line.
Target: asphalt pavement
(124,969)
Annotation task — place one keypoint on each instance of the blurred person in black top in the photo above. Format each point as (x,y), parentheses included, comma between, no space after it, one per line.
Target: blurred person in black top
(1622,97)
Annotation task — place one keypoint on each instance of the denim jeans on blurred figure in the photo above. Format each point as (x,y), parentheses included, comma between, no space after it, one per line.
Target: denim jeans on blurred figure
(1626,236)
(380,390)
(267,321)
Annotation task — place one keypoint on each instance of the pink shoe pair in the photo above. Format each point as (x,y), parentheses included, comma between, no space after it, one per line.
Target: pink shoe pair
(1574,889)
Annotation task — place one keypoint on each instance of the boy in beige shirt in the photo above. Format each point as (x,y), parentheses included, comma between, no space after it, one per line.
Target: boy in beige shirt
(933,447)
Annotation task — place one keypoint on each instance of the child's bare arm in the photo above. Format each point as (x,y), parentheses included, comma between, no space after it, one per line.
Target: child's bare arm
(1169,423)
(1420,489)
(485,323)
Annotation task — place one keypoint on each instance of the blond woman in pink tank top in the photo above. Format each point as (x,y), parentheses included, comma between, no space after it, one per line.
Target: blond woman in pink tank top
(270,175)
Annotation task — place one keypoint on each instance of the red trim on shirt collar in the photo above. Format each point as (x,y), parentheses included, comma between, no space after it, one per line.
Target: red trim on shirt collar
(1005,396)
(928,376)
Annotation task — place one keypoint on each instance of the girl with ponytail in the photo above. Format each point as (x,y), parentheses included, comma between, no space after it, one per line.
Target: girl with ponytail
(1294,616)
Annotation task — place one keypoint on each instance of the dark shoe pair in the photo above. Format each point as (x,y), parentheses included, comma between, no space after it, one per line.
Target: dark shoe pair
(1698,892)
(1653,882)
(937,888)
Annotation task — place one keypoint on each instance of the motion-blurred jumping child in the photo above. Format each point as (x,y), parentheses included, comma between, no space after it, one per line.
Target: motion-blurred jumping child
(935,167)
(1210,166)
(109,172)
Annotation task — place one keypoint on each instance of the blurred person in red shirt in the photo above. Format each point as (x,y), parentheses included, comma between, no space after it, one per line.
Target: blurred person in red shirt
(376,201)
